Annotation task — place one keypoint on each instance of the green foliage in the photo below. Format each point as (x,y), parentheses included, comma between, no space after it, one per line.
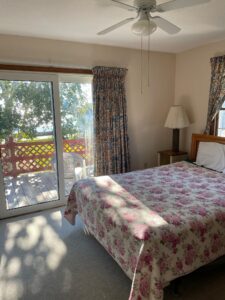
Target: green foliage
(75,110)
(24,105)
(27,105)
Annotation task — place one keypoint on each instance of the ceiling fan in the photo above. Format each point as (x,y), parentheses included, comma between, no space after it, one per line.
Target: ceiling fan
(146,23)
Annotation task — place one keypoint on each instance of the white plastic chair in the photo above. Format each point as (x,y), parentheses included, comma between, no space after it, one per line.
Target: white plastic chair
(74,166)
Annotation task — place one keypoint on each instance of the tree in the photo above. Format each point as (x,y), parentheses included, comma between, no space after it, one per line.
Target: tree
(76,109)
(24,105)
(26,108)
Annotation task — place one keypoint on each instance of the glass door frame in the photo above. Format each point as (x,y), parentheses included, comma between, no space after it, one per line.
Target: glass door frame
(54,80)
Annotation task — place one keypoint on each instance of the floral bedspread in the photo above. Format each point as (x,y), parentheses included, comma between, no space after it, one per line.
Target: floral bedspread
(158,224)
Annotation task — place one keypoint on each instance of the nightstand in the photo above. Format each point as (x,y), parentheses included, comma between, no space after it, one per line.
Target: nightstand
(169,156)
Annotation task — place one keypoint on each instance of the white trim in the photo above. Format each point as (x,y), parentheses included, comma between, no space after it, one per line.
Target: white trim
(2,193)
(53,79)
(78,78)
(58,136)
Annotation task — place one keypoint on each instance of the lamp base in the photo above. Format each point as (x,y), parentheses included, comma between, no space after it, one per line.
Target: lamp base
(176,135)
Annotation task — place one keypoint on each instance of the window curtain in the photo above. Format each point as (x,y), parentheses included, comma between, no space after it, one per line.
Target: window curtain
(217,90)
(110,118)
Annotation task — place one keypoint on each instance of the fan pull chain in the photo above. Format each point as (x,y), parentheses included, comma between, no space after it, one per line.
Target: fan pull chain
(149,60)
(141,64)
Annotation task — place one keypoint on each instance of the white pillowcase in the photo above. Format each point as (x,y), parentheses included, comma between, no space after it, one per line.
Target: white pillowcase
(211,155)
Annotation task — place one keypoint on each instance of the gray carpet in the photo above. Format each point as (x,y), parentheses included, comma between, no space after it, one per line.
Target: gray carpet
(43,257)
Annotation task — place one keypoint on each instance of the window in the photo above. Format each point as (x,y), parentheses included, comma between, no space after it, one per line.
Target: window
(221,122)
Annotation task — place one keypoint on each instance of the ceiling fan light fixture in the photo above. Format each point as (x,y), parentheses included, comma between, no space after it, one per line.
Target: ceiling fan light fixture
(144,27)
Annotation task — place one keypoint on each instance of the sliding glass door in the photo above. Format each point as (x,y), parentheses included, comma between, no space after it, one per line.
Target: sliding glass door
(77,127)
(44,144)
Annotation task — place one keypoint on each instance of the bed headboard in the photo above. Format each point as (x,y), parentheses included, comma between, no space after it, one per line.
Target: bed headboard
(197,138)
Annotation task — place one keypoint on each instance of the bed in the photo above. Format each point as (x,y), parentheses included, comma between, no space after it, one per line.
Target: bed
(158,224)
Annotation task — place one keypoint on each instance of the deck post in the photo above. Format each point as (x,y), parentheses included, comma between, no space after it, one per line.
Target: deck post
(11,147)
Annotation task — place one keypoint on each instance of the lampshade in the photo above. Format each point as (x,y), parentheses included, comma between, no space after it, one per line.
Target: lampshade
(144,27)
(177,118)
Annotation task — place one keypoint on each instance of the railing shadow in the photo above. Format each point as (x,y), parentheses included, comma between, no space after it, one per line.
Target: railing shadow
(43,257)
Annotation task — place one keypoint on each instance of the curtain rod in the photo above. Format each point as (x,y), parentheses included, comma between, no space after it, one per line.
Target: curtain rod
(30,68)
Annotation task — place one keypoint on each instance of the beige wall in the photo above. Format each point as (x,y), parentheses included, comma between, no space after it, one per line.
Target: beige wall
(146,111)
(193,74)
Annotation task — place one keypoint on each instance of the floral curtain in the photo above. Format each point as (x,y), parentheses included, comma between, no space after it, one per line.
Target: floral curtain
(217,90)
(111,137)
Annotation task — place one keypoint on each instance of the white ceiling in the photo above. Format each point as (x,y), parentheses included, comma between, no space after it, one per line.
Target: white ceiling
(80,20)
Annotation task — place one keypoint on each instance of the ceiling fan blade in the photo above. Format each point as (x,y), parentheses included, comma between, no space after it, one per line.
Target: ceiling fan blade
(124,5)
(115,26)
(176,4)
(166,25)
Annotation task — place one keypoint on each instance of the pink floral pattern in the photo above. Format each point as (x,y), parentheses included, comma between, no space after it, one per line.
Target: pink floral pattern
(158,224)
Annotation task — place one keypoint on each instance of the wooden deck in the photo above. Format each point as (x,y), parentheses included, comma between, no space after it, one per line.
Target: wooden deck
(33,188)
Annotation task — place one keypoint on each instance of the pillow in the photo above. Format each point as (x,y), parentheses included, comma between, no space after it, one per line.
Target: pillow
(211,155)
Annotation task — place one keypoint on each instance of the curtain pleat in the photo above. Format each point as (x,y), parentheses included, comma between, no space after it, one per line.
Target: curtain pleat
(110,128)
(217,90)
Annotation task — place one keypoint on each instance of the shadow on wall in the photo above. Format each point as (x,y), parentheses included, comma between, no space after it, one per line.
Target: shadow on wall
(221,53)
(185,101)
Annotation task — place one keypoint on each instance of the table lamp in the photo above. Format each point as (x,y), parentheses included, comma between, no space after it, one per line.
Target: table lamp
(176,119)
